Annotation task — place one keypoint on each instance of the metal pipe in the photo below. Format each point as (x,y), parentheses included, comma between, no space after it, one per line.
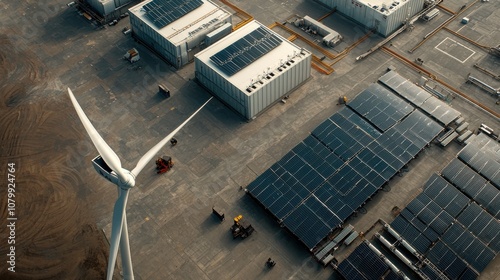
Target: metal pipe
(386,261)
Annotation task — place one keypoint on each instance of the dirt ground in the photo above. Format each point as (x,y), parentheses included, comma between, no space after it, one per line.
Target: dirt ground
(56,236)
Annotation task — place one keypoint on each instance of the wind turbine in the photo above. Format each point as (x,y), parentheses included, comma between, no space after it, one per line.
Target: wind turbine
(109,166)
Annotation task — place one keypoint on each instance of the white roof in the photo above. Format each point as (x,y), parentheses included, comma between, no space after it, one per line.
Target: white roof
(268,62)
(390,5)
(180,29)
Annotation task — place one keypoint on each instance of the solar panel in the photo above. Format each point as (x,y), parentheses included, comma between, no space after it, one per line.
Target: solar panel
(334,171)
(418,128)
(445,195)
(469,248)
(379,106)
(419,97)
(310,230)
(404,88)
(440,110)
(446,260)
(359,122)
(246,50)
(469,274)
(163,12)
(474,185)
(482,225)
(362,263)
(483,162)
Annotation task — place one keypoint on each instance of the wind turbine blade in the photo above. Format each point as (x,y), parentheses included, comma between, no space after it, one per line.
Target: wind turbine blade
(127,270)
(105,151)
(116,230)
(153,151)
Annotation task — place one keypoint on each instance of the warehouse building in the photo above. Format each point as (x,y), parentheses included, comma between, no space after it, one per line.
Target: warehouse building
(252,68)
(384,16)
(106,10)
(177,29)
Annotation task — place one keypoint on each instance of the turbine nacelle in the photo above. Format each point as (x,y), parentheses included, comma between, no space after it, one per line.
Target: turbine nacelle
(105,171)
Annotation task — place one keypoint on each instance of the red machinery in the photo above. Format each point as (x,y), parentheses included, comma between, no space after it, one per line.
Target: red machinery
(163,164)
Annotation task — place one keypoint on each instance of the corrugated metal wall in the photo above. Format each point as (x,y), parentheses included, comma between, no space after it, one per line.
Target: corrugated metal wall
(105,7)
(218,85)
(261,97)
(371,18)
(274,89)
(153,39)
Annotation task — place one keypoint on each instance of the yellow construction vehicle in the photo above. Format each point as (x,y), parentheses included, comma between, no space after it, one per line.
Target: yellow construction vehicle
(241,227)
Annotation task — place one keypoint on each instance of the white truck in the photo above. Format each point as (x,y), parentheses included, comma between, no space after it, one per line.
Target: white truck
(132,55)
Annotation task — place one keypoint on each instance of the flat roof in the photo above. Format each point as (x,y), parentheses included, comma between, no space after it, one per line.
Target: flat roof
(390,5)
(268,62)
(185,26)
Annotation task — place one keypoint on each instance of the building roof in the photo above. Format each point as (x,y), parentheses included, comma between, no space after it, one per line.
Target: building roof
(254,71)
(382,6)
(186,26)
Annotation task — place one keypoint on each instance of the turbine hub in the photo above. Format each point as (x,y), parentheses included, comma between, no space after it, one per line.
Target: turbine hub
(129,181)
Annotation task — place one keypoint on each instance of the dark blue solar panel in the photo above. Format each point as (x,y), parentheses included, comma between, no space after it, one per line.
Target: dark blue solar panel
(379,106)
(474,185)
(469,248)
(483,162)
(349,271)
(354,118)
(364,261)
(246,50)
(338,168)
(445,195)
(468,274)
(163,12)
(446,260)
(307,226)
(405,88)
(429,272)
(393,276)
(482,225)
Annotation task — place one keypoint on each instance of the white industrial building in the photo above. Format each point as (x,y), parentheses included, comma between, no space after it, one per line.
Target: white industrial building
(177,29)
(252,68)
(106,10)
(385,16)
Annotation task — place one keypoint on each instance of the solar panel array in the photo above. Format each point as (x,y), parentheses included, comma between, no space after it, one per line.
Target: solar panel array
(363,263)
(454,221)
(420,98)
(484,162)
(382,108)
(345,160)
(473,185)
(163,12)
(246,50)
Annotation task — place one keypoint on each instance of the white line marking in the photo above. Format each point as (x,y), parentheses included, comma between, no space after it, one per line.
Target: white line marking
(445,52)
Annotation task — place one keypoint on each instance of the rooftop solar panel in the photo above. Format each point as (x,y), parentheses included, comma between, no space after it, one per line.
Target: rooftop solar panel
(245,51)
(163,12)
